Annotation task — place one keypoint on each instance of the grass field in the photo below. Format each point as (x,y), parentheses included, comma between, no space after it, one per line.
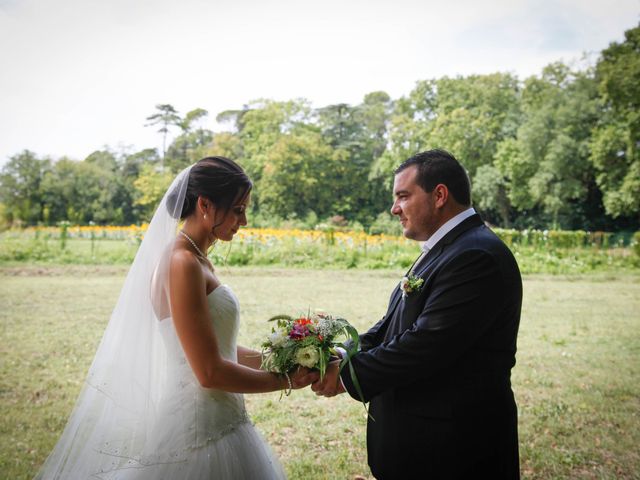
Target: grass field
(577,381)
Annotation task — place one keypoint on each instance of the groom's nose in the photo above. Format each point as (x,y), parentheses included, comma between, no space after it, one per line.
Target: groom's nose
(395,209)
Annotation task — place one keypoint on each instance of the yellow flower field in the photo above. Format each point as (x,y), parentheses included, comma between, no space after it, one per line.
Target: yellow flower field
(264,236)
(537,251)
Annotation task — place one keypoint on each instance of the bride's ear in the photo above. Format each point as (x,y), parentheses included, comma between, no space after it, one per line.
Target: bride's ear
(204,207)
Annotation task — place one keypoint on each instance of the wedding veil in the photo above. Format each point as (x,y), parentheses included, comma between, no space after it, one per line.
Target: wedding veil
(110,428)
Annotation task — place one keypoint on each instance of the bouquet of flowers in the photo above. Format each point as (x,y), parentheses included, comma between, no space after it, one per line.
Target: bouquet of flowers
(310,341)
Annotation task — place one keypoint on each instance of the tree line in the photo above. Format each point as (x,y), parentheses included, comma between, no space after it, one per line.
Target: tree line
(555,150)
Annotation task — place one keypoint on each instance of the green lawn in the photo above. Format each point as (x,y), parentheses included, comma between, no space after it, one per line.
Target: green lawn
(577,381)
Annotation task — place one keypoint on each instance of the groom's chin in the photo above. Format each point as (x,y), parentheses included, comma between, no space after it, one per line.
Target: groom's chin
(408,233)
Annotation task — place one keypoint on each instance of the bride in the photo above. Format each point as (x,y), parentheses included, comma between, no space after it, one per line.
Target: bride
(163,397)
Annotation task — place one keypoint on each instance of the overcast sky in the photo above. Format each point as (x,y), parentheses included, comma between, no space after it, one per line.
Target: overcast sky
(76,75)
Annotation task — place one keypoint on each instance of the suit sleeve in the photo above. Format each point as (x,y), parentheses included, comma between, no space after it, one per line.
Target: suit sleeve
(464,302)
(371,337)
(367,339)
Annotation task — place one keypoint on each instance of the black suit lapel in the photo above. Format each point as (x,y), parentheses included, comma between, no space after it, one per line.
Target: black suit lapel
(473,221)
(397,294)
(393,304)
(431,257)
(447,240)
(422,267)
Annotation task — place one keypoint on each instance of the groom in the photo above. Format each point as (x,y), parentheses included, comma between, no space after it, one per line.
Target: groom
(436,368)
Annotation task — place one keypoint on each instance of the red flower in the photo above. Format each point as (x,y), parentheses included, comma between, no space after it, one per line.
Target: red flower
(299,331)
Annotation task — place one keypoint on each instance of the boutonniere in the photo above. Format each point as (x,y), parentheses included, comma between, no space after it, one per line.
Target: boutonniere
(410,284)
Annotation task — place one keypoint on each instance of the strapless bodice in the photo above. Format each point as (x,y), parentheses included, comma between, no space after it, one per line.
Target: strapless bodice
(205,414)
(225,319)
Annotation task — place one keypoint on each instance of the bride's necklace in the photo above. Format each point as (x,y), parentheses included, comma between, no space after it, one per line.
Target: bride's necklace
(194,245)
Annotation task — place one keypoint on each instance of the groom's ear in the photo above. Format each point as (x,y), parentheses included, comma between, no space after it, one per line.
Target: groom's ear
(441,195)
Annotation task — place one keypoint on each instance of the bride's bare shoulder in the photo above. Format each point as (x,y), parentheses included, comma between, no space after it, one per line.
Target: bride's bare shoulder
(177,267)
(182,261)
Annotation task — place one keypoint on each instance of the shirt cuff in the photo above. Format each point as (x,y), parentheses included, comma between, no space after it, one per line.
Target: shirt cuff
(343,353)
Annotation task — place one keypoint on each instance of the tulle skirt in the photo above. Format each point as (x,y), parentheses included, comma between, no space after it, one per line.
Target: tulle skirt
(240,454)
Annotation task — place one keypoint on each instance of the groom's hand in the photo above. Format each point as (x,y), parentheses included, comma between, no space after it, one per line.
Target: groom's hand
(330,384)
(301,377)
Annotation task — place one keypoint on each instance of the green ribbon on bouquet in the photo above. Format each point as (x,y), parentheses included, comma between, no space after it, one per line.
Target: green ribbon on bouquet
(352,349)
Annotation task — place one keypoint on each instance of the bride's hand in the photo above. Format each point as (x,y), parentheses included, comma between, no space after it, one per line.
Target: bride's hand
(303,377)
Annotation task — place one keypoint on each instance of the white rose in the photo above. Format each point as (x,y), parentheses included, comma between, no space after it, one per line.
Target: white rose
(278,337)
(307,356)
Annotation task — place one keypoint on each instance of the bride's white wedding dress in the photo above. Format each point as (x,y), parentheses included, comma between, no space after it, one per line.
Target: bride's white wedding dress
(223,444)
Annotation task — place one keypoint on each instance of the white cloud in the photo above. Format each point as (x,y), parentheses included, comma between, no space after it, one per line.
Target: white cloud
(78,74)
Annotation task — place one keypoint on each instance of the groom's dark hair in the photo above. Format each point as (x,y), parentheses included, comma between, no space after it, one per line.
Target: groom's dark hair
(439,166)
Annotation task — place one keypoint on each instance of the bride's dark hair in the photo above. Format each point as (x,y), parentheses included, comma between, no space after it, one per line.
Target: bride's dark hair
(219,179)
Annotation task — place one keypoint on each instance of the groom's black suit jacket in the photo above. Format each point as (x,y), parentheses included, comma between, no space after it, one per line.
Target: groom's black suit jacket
(436,369)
